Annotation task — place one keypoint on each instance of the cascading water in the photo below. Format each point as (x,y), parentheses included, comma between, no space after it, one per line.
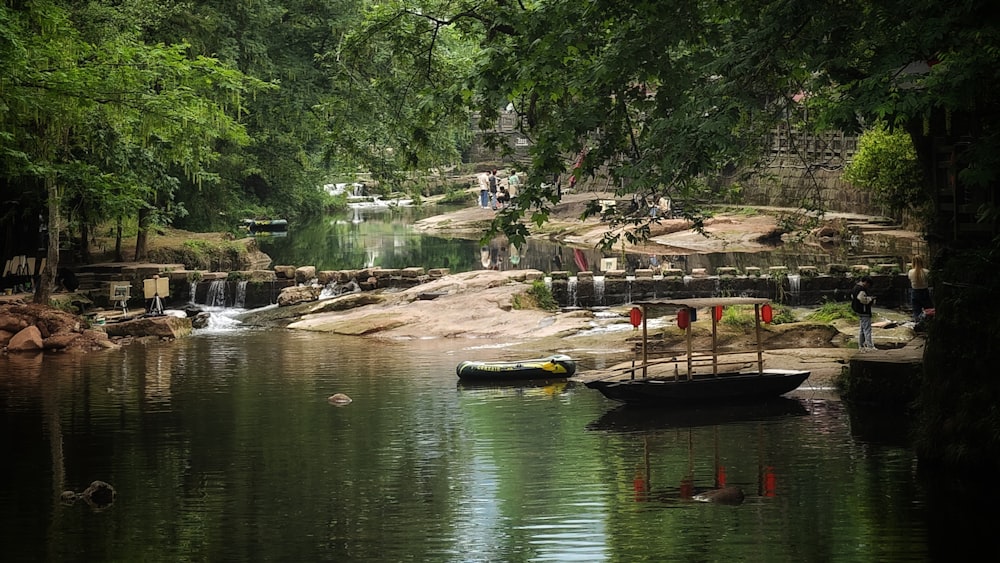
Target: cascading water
(334,289)
(216,296)
(794,283)
(599,290)
(571,288)
(241,295)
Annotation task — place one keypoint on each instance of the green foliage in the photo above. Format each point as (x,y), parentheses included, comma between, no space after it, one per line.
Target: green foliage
(537,296)
(743,317)
(830,311)
(204,255)
(886,165)
(738,316)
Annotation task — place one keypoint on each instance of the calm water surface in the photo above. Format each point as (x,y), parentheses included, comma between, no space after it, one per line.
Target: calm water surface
(356,239)
(223,447)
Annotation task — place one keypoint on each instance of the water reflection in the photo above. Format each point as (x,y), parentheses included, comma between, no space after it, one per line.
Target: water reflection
(222,446)
(384,237)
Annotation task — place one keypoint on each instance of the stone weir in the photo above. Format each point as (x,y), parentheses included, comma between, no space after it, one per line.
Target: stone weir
(806,286)
(287,285)
(241,289)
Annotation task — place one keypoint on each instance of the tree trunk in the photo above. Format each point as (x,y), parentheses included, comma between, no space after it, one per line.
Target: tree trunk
(119,257)
(142,238)
(85,256)
(44,288)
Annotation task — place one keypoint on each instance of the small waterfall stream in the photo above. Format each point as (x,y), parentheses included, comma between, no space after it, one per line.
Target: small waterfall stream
(599,290)
(216,296)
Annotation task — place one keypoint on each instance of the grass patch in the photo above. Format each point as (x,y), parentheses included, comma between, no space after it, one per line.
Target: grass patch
(538,296)
(830,311)
(743,317)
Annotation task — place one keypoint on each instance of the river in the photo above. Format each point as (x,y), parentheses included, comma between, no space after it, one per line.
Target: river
(223,447)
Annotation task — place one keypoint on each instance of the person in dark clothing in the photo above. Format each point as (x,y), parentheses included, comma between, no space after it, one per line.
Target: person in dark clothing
(861,303)
(494,181)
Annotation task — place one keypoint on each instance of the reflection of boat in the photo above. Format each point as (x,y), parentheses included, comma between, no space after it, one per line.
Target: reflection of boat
(652,382)
(265,225)
(628,419)
(540,368)
(523,387)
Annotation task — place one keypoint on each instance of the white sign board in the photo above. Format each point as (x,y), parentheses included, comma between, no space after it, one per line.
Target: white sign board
(154,286)
(120,291)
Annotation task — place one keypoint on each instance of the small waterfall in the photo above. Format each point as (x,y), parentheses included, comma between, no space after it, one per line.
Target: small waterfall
(548,283)
(334,289)
(794,283)
(598,290)
(241,295)
(216,294)
(193,292)
(571,287)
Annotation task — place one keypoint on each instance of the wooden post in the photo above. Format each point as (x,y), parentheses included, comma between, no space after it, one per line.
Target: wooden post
(644,333)
(715,342)
(760,344)
(688,330)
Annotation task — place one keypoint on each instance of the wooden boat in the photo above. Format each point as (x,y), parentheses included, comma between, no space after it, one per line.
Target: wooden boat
(696,377)
(555,366)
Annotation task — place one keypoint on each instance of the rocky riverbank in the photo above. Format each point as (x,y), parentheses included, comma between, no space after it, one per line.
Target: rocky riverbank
(480,305)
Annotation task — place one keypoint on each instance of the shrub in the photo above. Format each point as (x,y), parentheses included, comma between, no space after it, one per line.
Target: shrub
(538,296)
(830,311)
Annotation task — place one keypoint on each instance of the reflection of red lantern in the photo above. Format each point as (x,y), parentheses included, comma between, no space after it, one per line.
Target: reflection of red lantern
(718,312)
(767,313)
(683,318)
(635,316)
(770,482)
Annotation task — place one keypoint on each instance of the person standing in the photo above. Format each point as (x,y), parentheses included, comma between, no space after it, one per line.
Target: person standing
(493,182)
(920,293)
(484,190)
(861,303)
(513,183)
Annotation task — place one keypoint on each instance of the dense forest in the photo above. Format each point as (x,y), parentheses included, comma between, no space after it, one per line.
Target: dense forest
(127,114)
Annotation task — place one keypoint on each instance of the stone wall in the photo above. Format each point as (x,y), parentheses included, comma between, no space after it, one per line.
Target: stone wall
(806,289)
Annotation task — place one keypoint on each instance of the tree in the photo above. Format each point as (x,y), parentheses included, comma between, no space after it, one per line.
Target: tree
(886,165)
(58,88)
(661,96)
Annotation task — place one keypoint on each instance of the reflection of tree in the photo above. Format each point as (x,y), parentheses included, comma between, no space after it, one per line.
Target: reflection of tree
(50,390)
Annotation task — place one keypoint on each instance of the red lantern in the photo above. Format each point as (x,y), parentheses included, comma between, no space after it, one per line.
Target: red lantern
(718,312)
(635,316)
(767,313)
(683,318)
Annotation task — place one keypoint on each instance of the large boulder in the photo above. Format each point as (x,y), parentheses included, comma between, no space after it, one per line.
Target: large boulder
(305,274)
(28,339)
(61,341)
(298,294)
(166,326)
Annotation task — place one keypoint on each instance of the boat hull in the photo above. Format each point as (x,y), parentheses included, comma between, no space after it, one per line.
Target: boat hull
(721,388)
(558,366)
